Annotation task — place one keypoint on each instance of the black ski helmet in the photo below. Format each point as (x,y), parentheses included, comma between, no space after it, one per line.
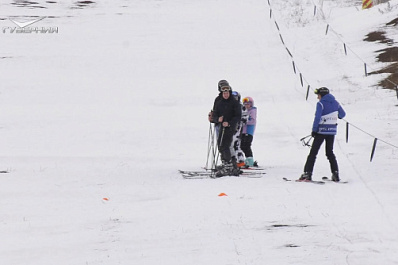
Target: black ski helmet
(223,83)
(322,91)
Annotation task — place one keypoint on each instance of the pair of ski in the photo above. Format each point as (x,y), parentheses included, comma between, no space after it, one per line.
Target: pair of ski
(209,173)
(319,182)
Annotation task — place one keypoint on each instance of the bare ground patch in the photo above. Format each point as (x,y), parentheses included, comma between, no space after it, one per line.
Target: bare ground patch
(387,55)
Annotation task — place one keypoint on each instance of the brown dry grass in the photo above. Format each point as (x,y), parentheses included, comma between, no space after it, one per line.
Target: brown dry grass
(387,55)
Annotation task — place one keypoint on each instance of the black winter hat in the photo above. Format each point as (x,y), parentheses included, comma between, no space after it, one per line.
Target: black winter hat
(223,83)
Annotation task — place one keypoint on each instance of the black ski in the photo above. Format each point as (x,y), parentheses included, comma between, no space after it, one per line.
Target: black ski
(253,168)
(185,176)
(211,174)
(196,172)
(307,181)
(208,172)
(328,179)
(242,168)
(3,171)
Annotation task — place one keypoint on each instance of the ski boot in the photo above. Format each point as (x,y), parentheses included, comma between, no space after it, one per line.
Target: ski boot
(218,167)
(249,162)
(236,169)
(306,176)
(240,164)
(226,170)
(335,176)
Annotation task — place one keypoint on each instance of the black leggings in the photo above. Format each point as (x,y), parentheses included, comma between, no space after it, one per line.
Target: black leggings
(316,145)
(246,144)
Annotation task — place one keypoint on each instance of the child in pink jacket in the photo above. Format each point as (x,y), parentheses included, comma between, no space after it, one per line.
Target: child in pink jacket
(248,131)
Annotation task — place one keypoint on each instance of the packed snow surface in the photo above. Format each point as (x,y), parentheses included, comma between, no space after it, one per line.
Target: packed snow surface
(97,118)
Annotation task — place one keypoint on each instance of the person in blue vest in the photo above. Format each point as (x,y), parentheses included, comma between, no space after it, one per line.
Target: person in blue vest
(324,129)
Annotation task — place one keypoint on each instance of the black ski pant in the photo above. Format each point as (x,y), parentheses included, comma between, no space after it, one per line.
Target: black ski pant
(224,143)
(246,144)
(316,145)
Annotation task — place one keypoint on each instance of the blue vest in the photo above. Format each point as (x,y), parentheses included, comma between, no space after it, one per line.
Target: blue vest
(328,111)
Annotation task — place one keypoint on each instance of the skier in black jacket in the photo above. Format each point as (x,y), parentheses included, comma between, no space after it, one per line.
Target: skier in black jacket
(227,113)
(221,83)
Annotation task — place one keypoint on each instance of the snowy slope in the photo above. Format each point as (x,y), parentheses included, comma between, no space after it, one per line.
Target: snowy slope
(96,119)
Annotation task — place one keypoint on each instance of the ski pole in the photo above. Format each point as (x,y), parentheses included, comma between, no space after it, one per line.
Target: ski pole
(222,136)
(219,146)
(306,142)
(212,151)
(209,144)
(216,152)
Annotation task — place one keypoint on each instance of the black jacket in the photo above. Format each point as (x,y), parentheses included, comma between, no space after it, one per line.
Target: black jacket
(230,109)
(216,100)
